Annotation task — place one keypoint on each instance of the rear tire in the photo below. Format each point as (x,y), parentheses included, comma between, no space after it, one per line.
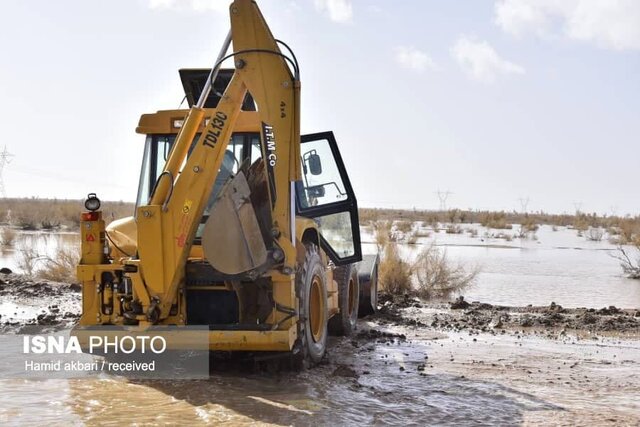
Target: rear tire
(313,312)
(344,323)
(369,298)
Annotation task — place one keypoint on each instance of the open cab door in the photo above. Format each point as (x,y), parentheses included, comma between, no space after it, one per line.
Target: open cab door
(325,194)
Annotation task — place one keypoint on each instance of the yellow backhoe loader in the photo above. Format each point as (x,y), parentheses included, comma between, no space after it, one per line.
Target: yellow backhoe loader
(241,224)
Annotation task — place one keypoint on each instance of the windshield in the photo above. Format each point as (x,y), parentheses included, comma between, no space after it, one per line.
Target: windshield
(242,146)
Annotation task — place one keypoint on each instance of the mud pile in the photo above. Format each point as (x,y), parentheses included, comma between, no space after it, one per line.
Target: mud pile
(481,317)
(26,303)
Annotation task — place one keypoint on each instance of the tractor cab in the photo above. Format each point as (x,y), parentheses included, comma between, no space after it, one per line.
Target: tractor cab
(324,193)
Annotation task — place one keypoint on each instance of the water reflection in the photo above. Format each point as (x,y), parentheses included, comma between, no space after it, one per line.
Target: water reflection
(557,266)
(38,244)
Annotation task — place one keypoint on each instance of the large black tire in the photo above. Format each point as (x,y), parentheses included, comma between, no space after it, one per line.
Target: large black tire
(344,323)
(368,276)
(313,312)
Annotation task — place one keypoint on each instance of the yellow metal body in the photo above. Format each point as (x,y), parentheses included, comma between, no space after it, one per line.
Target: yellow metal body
(150,252)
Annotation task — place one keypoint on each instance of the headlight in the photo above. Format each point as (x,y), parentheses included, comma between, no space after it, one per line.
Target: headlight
(92,203)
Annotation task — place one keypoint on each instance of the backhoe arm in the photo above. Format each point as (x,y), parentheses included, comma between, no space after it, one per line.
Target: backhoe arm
(168,224)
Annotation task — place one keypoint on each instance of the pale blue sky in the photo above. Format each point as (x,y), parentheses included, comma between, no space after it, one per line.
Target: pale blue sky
(491,100)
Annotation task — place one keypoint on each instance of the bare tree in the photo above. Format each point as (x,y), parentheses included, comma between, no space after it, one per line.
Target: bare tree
(630,267)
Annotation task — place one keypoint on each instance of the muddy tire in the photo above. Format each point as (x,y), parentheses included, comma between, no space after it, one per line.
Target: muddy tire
(311,291)
(368,275)
(344,323)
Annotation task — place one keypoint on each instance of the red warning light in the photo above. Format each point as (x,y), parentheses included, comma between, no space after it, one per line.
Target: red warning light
(90,238)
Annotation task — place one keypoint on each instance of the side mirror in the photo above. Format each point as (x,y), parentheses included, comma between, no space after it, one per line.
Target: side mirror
(315,164)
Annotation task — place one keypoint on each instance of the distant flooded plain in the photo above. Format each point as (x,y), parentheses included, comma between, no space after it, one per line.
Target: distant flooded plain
(554,266)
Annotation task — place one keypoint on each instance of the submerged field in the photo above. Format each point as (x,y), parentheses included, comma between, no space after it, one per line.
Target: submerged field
(526,353)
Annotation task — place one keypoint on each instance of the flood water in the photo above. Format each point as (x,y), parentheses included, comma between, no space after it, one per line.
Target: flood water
(558,266)
(458,388)
(33,246)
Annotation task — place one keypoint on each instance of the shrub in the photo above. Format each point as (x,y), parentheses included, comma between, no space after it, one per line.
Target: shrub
(7,236)
(404,226)
(48,214)
(382,233)
(436,276)
(581,222)
(27,260)
(453,229)
(62,266)
(394,272)
(497,220)
(595,234)
(529,224)
(630,264)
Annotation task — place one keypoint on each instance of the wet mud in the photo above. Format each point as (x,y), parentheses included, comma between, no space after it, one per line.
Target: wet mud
(477,317)
(26,303)
(414,362)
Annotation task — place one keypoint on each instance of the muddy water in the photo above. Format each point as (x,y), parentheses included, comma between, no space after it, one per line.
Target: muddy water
(445,379)
(35,245)
(557,266)
(438,379)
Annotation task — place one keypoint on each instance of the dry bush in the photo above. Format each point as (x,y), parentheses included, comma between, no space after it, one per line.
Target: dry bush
(453,229)
(382,233)
(628,231)
(595,234)
(630,263)
(412,239)
(432,219)
(50,214)
(581,224)
(404,226)
(529,223)
(497,220)
(7,236)
(454,216)
(394,272)
(27,260)
(436,276)
(61,267)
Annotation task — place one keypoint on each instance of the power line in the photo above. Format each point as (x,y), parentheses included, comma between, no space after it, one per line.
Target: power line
(443,196)
(578,206)
(5,159)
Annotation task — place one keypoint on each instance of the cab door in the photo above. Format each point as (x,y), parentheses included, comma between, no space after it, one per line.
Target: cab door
(325,194)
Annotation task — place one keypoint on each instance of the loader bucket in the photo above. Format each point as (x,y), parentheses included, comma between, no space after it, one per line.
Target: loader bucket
(231,240)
